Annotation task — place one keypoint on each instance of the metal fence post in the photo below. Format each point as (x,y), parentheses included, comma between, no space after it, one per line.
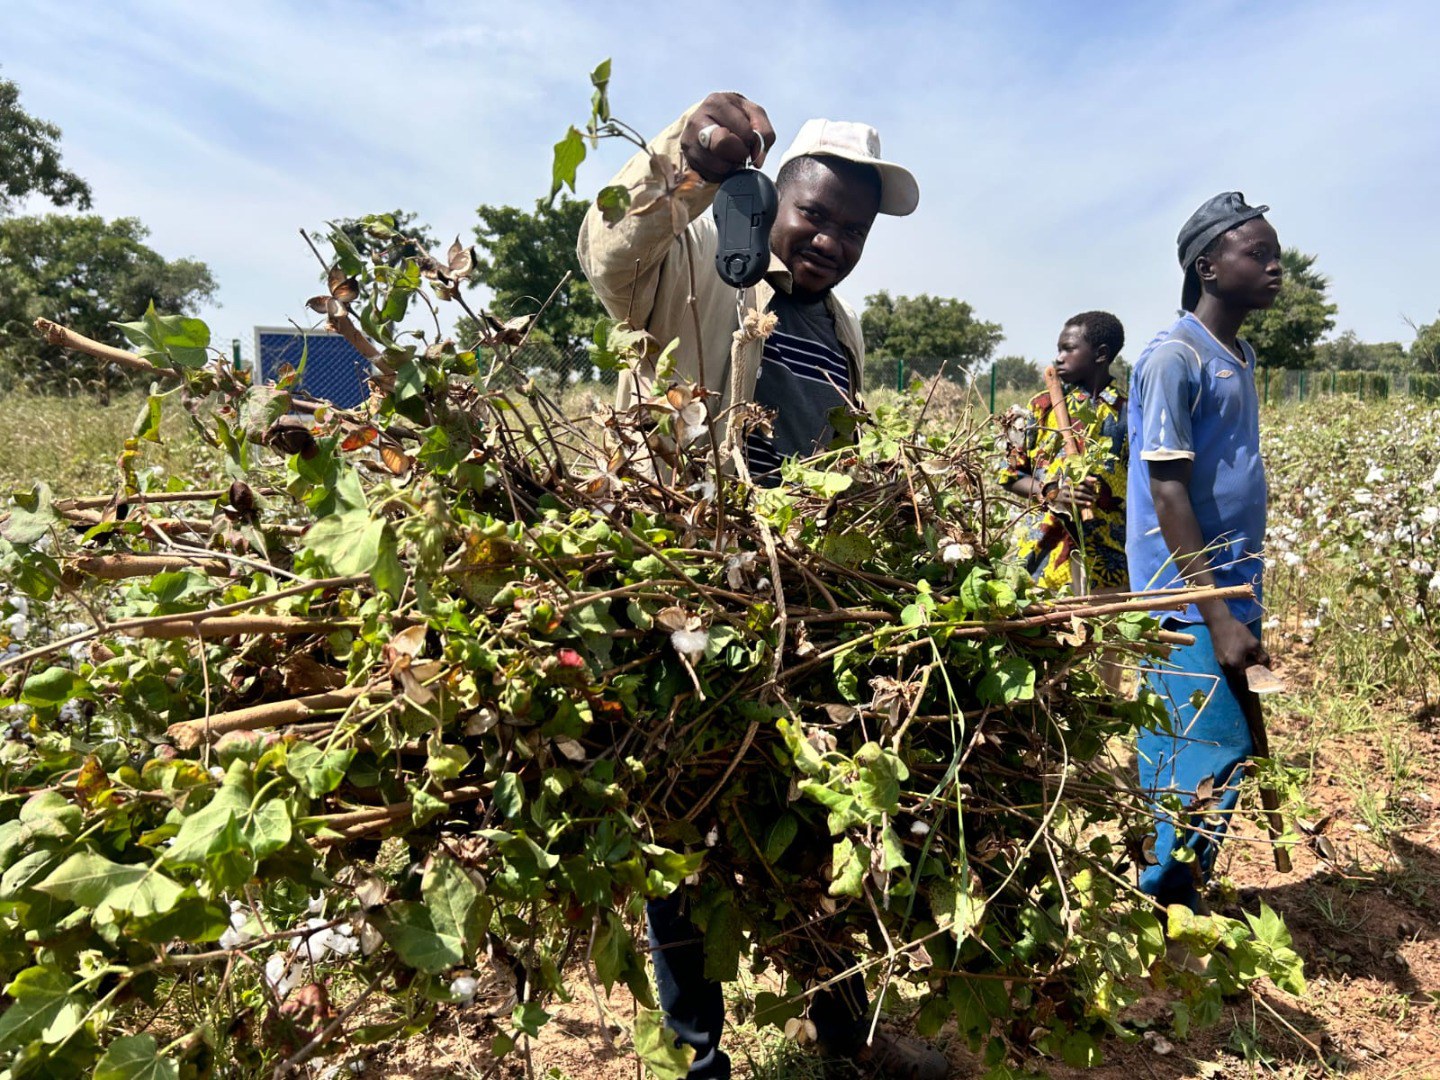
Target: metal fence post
(235,352)
(1267,386)
(1332,382)
(992,389)
(900,374)
(1303,373)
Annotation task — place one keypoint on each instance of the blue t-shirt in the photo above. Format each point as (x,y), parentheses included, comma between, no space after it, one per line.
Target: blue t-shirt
(1190,397)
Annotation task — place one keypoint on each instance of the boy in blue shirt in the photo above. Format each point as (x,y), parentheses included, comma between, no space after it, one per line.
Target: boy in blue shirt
(1196,501)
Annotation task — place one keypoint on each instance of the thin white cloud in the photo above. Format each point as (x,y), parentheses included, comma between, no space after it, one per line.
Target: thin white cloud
(1059,147)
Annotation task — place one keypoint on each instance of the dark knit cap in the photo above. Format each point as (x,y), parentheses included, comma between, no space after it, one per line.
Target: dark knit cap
(1215,216)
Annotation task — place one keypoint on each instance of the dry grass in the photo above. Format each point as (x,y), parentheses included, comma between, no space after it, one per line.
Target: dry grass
(72,443)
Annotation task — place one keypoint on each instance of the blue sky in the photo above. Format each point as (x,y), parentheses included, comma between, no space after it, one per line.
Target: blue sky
(1058,146)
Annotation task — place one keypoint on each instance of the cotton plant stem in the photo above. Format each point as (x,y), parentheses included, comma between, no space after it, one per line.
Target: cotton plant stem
(55,334)
(189,734)
(351,823)
(242,625)
(119,567)
(128,626)
(92,502)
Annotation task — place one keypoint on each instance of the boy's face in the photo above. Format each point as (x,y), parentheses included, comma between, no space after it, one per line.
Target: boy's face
(1076,361)
(1245,269)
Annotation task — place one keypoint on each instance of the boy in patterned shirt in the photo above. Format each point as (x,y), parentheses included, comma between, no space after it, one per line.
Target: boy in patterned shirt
(1074,534)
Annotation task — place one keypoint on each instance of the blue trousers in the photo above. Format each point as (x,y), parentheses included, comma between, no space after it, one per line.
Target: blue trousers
(1209,739)
(694,1006)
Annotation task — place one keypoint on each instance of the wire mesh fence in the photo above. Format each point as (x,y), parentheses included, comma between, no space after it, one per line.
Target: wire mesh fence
(572,377)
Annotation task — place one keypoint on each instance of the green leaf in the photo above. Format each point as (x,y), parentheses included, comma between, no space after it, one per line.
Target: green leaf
(878,784)
(847,548)
(613,202)
(168,339)
(655,1045)
(782,835)
(444,761)
(43,1008)
(93,881)
(135,1057)
(31,516)
(52,687)
(443,929)
(318,772)
(528,1017)
(1013,679)
(349,541)
(600,101)
(266,827)
(569,153)
(850,861)
(147,423)
(509,795)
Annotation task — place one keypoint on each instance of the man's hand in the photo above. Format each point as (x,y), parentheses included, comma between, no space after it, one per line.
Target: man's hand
(1236,648)
(739,132)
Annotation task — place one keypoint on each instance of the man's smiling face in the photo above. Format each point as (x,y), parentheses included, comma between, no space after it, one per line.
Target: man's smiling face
(824,218)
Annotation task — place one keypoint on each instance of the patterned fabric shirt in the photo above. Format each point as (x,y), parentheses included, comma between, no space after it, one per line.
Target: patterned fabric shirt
(1047,537)
(804,373)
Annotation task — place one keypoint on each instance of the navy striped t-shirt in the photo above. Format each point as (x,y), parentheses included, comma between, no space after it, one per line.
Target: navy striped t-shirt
(804,373)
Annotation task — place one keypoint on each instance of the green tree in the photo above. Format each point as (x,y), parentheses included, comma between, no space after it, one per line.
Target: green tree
(925,331)
(523,256)
(1346,352)
(1425,349)
(30,158)
(1286,334)
(1016,373)
(85,273)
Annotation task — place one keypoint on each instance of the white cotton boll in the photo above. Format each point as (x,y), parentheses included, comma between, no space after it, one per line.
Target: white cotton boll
(21,604)
(281,976)
(1430,515)
(342,945)
(69,628)
(1363,497)
(1291,559)
(690,644)
(1376,475)
(17,626)
(1435,584)
(463,988)
(217,772)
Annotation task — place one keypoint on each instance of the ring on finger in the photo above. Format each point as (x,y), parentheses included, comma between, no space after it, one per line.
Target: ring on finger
(705,134)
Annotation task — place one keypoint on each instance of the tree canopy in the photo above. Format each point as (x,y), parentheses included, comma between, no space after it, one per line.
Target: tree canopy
(30,158)
(1286,335)
(928,328)
(1016,373)
(1346,352)
(524,255)
(86,273)
(1425,349)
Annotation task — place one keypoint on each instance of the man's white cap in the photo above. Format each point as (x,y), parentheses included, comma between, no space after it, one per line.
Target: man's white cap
(899,193)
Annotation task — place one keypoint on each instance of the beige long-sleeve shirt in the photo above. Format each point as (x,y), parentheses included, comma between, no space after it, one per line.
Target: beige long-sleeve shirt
(642,272)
